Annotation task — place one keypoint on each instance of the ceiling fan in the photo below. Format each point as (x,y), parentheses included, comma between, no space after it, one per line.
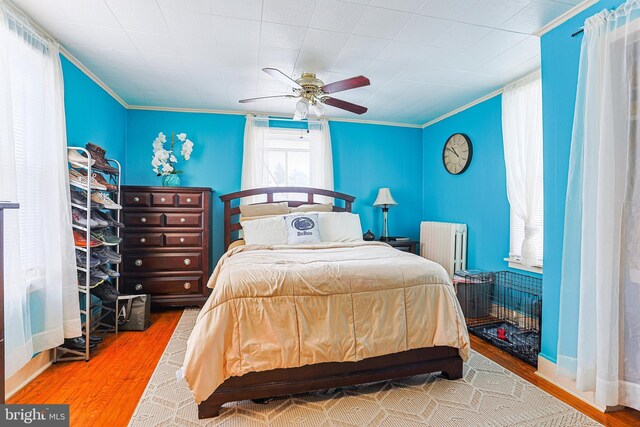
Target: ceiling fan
(313,93)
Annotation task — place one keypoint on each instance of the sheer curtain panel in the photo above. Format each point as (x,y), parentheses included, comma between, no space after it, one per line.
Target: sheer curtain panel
(522,135)
(599,327)
(41,296)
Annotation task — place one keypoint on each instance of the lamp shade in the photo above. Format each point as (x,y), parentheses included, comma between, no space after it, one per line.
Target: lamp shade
(384,198)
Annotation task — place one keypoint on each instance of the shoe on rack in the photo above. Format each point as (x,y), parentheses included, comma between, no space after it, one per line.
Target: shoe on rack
(98,153)
(110,255)
(96,272)
(79,238)
(78,159)
(77,179)
(81,260)
(100,222)
(78,344)
(102,181)
(108,271)
(104,200)
(93,339)
(79,217)
(106,237)
(95,184)
(80,198)
(93,281)
(105,292)
(108,218)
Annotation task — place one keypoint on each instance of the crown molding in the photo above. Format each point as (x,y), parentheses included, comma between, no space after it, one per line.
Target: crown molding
(75,61)
(265,113)
(565,17)
(464,107)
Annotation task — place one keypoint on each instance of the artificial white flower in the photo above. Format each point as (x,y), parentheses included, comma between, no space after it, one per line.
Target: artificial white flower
(155,162)
(181,136)
(166,167)
(162,137)
(173,159)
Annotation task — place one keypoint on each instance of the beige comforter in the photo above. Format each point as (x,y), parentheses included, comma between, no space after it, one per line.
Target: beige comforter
(287,306)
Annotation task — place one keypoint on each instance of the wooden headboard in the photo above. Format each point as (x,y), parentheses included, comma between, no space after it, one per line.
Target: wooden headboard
(232,203)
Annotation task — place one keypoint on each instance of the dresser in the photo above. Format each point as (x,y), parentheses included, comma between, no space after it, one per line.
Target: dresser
(165,248)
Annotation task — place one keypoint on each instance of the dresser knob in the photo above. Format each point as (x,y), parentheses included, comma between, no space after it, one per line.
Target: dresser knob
(143,219)
(188,199)
(187,285)
(136,199)
(142,240)
(182,220)
(187,261)
(182,240)
(163,199)
(138,286)
(138,262)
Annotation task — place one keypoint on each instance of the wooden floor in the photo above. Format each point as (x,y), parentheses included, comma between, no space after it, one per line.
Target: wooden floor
(105,391)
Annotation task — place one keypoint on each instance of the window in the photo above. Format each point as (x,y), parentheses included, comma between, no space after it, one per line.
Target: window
(522,134)
(276,156)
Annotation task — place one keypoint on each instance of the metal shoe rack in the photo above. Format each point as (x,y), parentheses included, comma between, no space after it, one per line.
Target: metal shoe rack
(92,326)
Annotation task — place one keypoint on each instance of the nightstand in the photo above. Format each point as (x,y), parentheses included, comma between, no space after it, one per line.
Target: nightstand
(405,245)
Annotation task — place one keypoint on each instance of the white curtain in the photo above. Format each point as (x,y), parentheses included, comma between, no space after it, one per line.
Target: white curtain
(41,297)
(522,135)
(264,145)
(599,325)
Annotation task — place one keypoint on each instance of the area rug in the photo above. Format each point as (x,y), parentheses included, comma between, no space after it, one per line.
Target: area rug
(487,395)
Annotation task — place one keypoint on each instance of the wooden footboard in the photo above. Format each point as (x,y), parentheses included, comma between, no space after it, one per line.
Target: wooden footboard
(282,382)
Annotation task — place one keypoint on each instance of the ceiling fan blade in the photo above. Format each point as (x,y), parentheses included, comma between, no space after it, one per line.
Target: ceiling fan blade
(244,101)
(339,103)
(346,84)
(279,75)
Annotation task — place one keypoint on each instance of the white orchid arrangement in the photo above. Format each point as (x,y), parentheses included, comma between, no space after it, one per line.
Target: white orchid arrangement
(164,160)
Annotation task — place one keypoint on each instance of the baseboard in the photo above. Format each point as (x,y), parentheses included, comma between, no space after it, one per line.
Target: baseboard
(547,371)
(28,373)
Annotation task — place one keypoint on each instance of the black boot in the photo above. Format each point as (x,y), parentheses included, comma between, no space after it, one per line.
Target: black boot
(78,344)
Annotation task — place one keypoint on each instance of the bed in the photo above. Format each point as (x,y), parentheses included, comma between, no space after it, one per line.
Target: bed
(286,319)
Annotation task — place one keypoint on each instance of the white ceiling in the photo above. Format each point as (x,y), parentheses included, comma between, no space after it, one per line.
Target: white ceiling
(424,57)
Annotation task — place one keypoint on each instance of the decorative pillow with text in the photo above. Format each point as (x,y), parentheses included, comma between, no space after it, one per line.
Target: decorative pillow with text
(302,229)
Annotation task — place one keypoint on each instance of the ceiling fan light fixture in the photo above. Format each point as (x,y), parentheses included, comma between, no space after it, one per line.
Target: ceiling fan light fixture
(302,109)
(318,108)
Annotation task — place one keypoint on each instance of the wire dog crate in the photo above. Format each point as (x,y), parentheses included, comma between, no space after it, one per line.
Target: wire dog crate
(503,308)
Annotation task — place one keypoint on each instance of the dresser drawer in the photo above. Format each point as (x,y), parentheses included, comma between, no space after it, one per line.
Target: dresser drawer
(162,199)
(143,219)
(143,240)
(190,200)
(136,199)
(134,263)
(183,219)
(183,239)
(163,285)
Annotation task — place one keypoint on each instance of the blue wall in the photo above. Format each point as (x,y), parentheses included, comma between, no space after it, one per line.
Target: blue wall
(560,59)
(366,157)
(478,197)
(92,114)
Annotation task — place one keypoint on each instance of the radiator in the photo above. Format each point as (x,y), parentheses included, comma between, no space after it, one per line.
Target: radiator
(444,243)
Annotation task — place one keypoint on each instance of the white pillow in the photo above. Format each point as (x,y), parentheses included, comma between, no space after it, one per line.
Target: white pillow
(265,231)
(340,227)
(302,229)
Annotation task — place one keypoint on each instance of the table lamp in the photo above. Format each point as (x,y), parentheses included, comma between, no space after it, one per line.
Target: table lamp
(384,200)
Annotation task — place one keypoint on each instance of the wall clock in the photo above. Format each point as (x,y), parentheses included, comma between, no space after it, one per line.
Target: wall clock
(457,153)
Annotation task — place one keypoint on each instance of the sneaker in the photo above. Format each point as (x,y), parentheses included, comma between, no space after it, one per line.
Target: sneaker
(110,255)
(98,153)
(102,181)
(106,292)
(95,185)
(78,344)
(80,198)
(93,280)
(79,238)
(79,217)
(109,272)
(104,259)
(104,200)
(77,179)
(96,272)
(106,237)
(81,260)
(108,218)
(98,219)
(78,159)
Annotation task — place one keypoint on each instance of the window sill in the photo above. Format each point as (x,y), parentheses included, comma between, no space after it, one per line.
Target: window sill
(515,263)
